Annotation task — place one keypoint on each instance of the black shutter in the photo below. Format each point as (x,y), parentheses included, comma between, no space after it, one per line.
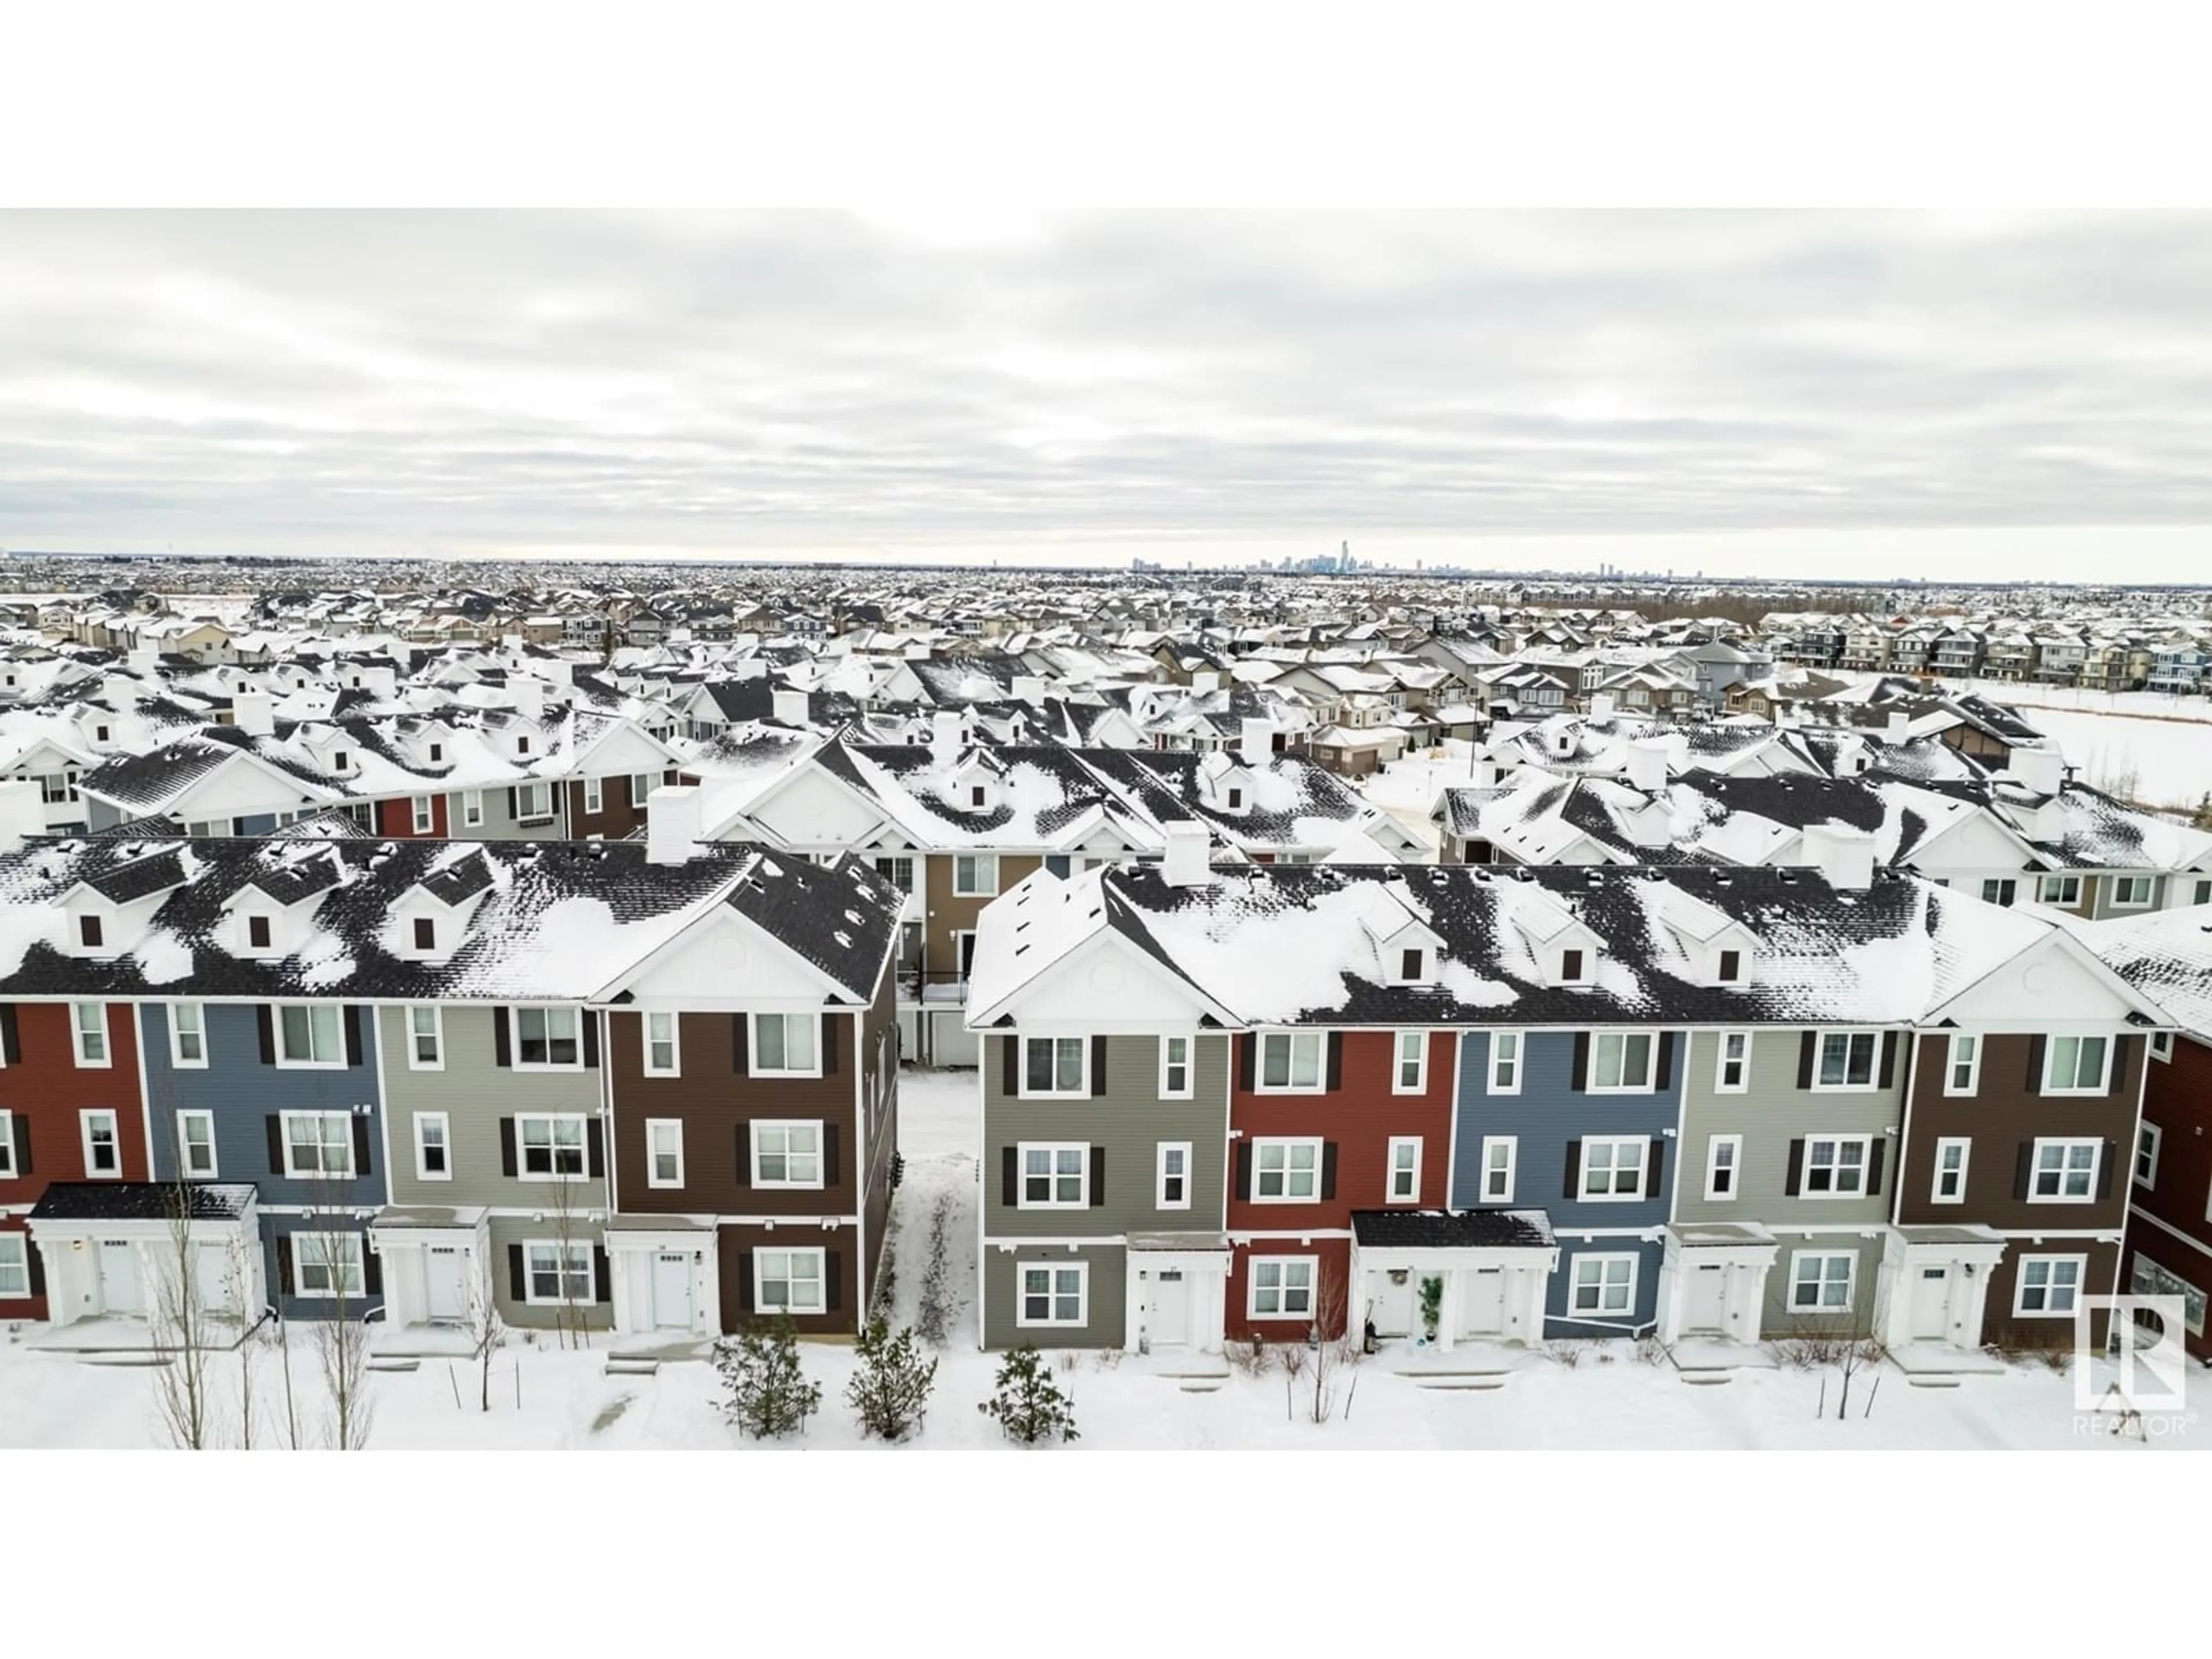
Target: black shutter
(1010,1177)
(353,1034)
(1809,1045)
(2024,1172)
(507,1165)
(372,1271)
(744,1264)
(738,1044)
(602,1275)
(1874,1165)
(22,1128)
(1097,1067)
(1579,1080)
(1794,1177)
(1655,1169)
(828,1155)
(595,1148)
(32,1253)
(283,1265)
(517,1273)
(2123,1053)
(361,1145)
(1888,1059)
(1245,1169)
(1328,1169)
(591,1024)
(265,1022)
(513,806)
(2035,1064)
(1010,1067)
(11,1036)
(833,1274)
(1664,1077)
(275,1123)
(744,1176)
(2105,1167)
(1097,1177)
(1246,1045)
(502,1038)
(830,1025)
(1336,1060)
(1574,1169)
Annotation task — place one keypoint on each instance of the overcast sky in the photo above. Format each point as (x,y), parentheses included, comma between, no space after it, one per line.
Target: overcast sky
(1741,394)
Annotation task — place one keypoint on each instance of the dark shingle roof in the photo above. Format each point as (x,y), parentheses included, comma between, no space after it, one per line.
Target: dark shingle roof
(140,1200)
(1450,1229)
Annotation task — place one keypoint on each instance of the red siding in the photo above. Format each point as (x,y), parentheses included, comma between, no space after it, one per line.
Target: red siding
(395,819)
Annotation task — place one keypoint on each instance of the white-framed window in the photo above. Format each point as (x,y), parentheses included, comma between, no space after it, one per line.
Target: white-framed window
(2076,1065)
(2065,1172)
(1732,1073)
(103,1147)
(790,1281)
(1573,970)
(1410,1071)
(326,1265)
(2048,1286)
(1962,1067)
(472,809)
(1835,1166)
(1174,1068)
(1281,1286)
(1404,1169)
(975,875)
(311,1035)
(187,1036)
(641,785)
(2131,892)
(1293,1063)
(425,821)
(662,1057)
(897,868)
(15,1266)
(1848,1059)
(2147,1138)
(2161,1045)
(1286,1172)
(8,1170)
(426,1037)
(2058,890)
(2000,889)
(1821,1282)
(1173,1192)
(318,1146)
(89,1020)
(552,1146)
(1724,1166)
(787,1152)
(533,802)
(433,1147)
(1052,1293)
(1621,1063)
(196,1144)
(787,1045)
(548,1039)
(1054,1066)
(664,1151)
(1500,1154)
(1950,1186)
(1506,1062)
(1612,1168)
(1055,1176)
(559,1270)
(259,930)
(594,795)
(1604,1287)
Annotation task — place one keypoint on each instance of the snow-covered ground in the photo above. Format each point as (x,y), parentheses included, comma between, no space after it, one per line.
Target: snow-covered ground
(566,1399)
(1408,787)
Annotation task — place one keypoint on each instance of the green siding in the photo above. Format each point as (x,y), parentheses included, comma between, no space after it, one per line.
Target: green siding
(1777,1320)
(1105,1310)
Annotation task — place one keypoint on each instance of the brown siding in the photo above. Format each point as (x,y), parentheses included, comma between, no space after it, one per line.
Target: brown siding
(879,1026)
(615,819)
(2001,1328)
(736,1245)
(948,915)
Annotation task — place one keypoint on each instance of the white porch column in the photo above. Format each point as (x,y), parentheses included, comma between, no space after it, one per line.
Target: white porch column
(1448,1313)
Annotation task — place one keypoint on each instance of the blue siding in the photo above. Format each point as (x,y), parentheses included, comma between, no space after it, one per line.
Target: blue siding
(1556,1294)
(287,1306)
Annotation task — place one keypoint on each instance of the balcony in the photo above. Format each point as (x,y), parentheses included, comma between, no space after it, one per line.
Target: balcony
(936,987)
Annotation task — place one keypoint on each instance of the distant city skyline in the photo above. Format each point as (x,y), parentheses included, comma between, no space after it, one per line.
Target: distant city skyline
(1751,395)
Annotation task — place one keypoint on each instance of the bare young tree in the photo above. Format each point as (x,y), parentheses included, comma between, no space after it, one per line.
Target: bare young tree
(487,1326)
(341,1339)
(569,1313)
(1327,1357)
(238,1284)
(181,1329)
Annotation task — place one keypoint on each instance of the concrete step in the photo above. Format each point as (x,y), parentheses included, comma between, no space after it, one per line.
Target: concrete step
(1429,1373)
(617,1367)
(142,1360)
(1462,1384)
(388,1362)
(1196,1385)
(1707,1379)
(1933,1380)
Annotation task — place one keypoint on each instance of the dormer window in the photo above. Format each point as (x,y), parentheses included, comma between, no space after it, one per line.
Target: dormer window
(1412,965)
(437,753)
(1236,801)
(426,933)
(99,735)
(1731,967)
(1571,967)
(257,933)
(977,794)
(340,760)
(89,932)
(521,746)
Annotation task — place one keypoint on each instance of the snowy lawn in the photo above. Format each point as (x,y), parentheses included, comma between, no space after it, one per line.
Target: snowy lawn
(1611,1398)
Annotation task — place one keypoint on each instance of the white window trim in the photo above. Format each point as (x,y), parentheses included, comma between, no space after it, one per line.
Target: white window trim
(594,795)
(1951,1065)
(1082,1090)
(176,1037)
(1420,1085)
(652,1126)
(787,1185)
(2143,1129)
(2051,890)
(2104,1072)
(17,1246)
(1721,1084)
(357,1265)
(564,1252)
(2162,1045)
(293,1173)
(1601,1262)
(1851,1285)
(1189,1066)
(1713,1143)
(215,1156)
(1022,1199)
(640,796)
(2080,1287)
(1642,1143)
(1312,1263)
(84,1120)
(8,1171)
(415,1061)
(2061,1196)
(1160,1200)
(1865,1142)
(984,867)
(1648,1085)
(1512,1146)
(472,809)
(2149,885)
(445,1123)
(675,1067)
(1520,1050)
(425,817)
(77,1035)
(524,813)
(1082,1271)
(1286,1141)
(516,1062)
(276,1037)
(761,1305)
(753,1067)
(1318,1086)
(1390,1194)
(1936,1193)
(1873,1061)
(522,1169)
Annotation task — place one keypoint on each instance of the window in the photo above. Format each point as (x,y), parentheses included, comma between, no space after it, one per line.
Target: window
(8,1170)
(2201,894)
(1175,1176)
(2161,1045)
(2065,1172)
(1054,1177)
(1404,1169)
(103,1150)
(560,1270)
(977,794)
(1612,1168)
(975,875)
(2130,892)
(1235,798)
(1286,1172)
(787,1154)
(1412,965)
(15,1266)
(1848,1059)
(1731,967)
(187,1034)
(784,1045)
(1733,1075)
(1723,1163)
(1291,1062)
(2059,889)
(1499,1155)
(2146,1140)
(552,1147)
(196,1144)
(89,932)
(318,1146)
(89,1021)
(257,933)
(664,1153)
(898,871)
(426,933)
(433,1147)
(472,809)
(1950,1171)
(594,796)
(1570,966)
(1174,1068)
(660,1055)
(2048,1285)
(437,754)
(1506,1062)
(1821,1283)
(549,1037)
(1055,1065)
(310,1034)
(1999,890)
(1620,1062)
(1412,1073)
(1835,1166)
(641,785)
(1282,1287)
(1962,1071)
(426,1037)
(533,801)
(1053,1295)
(423,821)
(326,1265)
(1604,1285)
(2075,1066)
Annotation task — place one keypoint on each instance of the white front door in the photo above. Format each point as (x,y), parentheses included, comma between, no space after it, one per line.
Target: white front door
(1704,1311)
(671,1291)
(1931,1304)
(1167,1322)
(1485,1289)
(211,1271)
(119,1278)
(444,1283)
(1391,1305)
